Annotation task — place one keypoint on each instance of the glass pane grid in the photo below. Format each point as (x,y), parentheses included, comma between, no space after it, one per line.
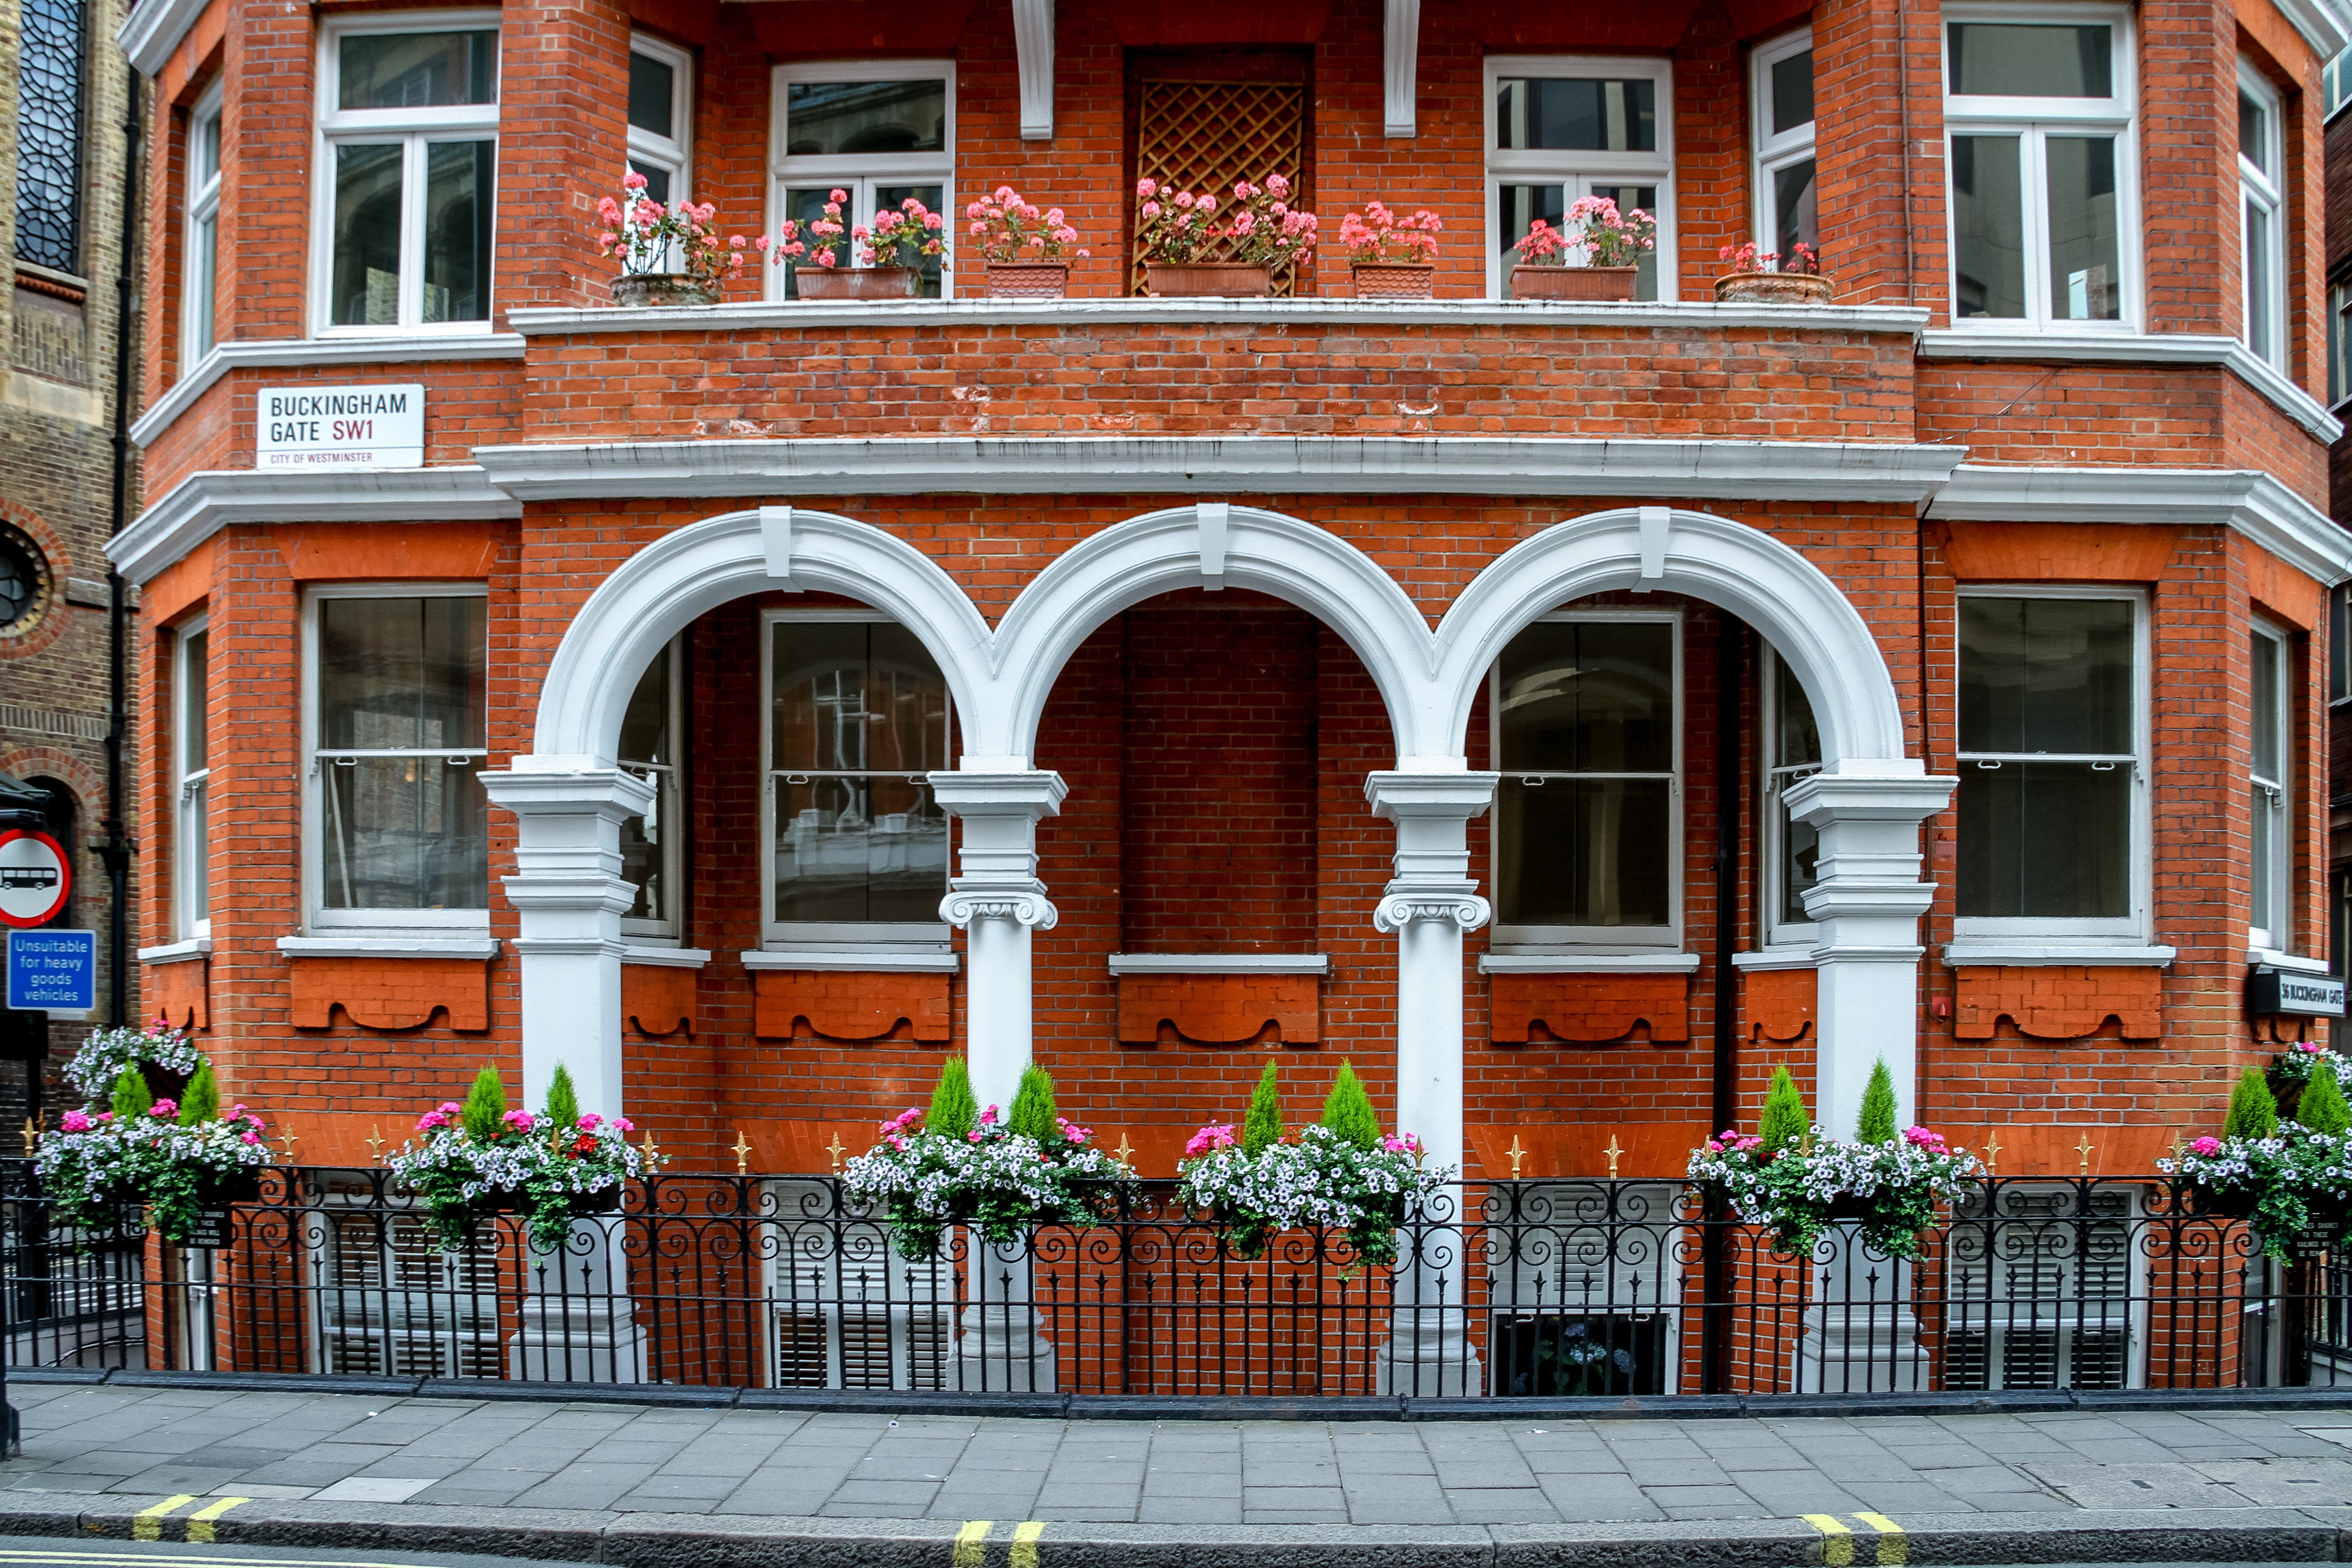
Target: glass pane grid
(52,83)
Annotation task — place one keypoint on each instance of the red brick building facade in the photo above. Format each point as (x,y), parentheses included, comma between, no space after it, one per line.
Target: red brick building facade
(1564,711)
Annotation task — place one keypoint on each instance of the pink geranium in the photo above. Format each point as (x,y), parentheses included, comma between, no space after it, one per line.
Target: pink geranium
(1210,1139)
(74,1122)
(2208,1147)
(1012,230)
(1377,235)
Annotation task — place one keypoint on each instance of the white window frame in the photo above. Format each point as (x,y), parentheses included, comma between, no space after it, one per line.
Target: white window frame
(673,153)
(1775,153)
(2032,120)
(2133,929)
(2273,928)
(673,848)
(199,331)
(1641,939)
(2339,644)
(317,916)
(1775,779)
(2339,345)
(1566,167)
(2259,188)
(414,128)
(858,174)
(189,872)
(775,935)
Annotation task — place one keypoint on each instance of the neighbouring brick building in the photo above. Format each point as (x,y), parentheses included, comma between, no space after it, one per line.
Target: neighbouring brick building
(62,103)
(1564,711)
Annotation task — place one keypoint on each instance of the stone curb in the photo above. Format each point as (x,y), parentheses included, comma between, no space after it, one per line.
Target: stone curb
(703,1541)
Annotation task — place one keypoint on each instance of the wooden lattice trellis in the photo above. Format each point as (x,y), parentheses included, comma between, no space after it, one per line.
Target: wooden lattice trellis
(1204,136)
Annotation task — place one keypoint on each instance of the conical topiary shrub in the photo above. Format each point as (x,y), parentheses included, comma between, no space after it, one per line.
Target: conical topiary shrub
(954,1109)
(1033,1107)
(201,1102)
(1262,1126)
(484,1113)
(2322,1108)
(1876,1123)
(131,1097)
(562,1100)
(1784,1122)
(2253,1110)
(1348,1112)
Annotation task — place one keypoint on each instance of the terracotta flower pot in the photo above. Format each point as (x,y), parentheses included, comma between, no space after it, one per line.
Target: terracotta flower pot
(1395,279)
(1573,282)
(1774,288)
(1213,279)
(661,288)
(854,282)
(1028,279)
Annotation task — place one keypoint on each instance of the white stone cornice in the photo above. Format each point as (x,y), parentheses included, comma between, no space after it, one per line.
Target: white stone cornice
(2009,954)
(2324,24)
(1220,963)
(1192,465)
(389,944)
(1372,317)
(153,29)
(2141,348)
(867,961)
(287,353)
(203,503)
(2250,500)
(1588,963)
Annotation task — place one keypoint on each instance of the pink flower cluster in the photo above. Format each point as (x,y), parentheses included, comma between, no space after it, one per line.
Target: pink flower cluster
(164,1110)
(903,238)
(75,1121)
(1071,1131)
(1609,238)
(1405,1143)
(641,230)
(1377,235)
(2208,1147)
(520,1120)
(442,1115)
(1731,1141)
(811,244)
(899,1128)
(1210,1139)
(1801,259)
(1921,1138)
(1010,229)
(1263,231)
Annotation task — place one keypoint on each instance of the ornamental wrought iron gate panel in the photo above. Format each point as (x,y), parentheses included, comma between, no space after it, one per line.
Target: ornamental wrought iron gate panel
(1202,136)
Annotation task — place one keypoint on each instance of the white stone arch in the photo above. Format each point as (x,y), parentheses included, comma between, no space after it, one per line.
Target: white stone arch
(1796,607)
(1214,544)
(659,590)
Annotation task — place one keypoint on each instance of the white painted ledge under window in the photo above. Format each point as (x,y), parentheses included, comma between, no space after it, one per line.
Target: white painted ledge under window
(177,951)
(1220,963)
(1588,963)
(2293,963)
(287,353)
(389,944)
(667,957)
(2044,954)
(1776,958)
(2141,348)
(880,960)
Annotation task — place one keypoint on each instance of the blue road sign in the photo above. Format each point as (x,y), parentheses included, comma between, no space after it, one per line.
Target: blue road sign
(53,970)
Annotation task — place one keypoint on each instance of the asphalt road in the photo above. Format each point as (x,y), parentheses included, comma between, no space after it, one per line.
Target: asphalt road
(34,1551)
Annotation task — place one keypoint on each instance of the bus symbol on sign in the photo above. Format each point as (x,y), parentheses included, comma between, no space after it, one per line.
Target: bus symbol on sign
(35,877)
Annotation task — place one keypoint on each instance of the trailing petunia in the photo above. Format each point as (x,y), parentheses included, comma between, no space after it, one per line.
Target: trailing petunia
(466,1158)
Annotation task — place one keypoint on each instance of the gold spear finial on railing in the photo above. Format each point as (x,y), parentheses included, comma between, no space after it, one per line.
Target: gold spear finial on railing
(836,1149)
(652,1152)
(32,1135)
(376,1144)
(2083,1149)
(1614,1153)
(742,1153)
(1125,1150)
(1991,1152)
(288,1138)
(1517,1154)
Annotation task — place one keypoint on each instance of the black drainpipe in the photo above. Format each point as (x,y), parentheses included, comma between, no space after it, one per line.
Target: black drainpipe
(116,851)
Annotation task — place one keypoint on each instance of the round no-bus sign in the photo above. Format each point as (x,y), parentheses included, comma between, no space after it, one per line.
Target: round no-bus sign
(35,877)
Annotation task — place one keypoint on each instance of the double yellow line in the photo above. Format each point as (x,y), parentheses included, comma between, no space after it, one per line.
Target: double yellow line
(148,1523)
(971,1544)
(1837,1541)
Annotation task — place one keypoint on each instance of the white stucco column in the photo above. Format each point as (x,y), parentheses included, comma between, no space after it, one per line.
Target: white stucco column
(567,885)
(999,900)
(1428,904)
(1866,910)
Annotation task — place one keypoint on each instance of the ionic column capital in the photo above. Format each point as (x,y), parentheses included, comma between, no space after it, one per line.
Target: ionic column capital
(1402,903)
(1026,905)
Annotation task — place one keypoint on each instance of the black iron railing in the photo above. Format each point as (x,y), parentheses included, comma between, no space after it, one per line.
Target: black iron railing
(1501,1288)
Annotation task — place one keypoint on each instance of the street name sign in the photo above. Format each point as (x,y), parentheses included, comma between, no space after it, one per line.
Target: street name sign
(2270,991)
(328,425)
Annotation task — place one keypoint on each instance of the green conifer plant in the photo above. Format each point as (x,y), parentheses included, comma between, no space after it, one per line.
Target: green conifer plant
(2322,1108)
(1876,1124)
(1785,1121)
(2253,1110)
(955,1111)
(562,1100)
(131,1097)
(1348,1111)
(483,1116)
(201,1104)
(1033,1107)
(1261,1125)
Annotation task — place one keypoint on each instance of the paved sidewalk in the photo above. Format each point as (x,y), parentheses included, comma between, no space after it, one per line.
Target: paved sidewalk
(2183,1477)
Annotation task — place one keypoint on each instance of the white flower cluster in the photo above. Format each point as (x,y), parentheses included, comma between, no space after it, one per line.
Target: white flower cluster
(584,1159)
(105,1053)
(2287,1181)
(1319,1180)
(1895,1184)
(93,1164)
(1001,1182)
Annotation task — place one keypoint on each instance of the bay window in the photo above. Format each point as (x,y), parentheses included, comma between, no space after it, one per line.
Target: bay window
(192,770)
(653,847)
(408,155)
(2262,208)
(1587,734)
(1561,129)
(1793,750)
(2053,761)
(879,131)
(2271,818)
(399,820)
(2043,171)
(1782,93)
(200,282)
(856,715)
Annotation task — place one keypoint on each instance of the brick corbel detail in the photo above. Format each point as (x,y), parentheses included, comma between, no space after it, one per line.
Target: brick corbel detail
(850,1005)
(1586,1009)
(658,999)
(391,992)
(2058,1002)
(180,993)
(1780,1003)
(1219,1009)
